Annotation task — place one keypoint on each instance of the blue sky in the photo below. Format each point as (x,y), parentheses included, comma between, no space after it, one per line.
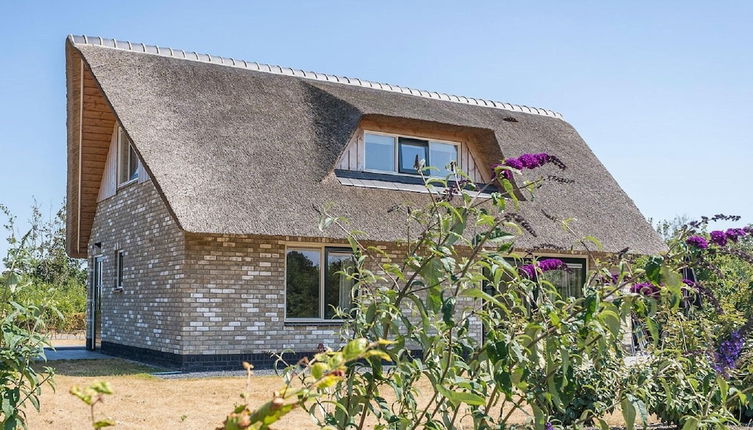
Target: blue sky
(661,91)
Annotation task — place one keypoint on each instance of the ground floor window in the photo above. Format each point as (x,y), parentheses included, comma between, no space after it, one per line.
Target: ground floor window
(569,282)
(119,255)
(317,282)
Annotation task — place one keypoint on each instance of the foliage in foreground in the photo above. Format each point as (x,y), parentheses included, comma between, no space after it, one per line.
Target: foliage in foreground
(22,341)
(559,360)
(92,396)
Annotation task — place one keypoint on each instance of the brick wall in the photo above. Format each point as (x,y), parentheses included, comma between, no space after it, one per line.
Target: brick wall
(198,295)
(237,296)
(147,312)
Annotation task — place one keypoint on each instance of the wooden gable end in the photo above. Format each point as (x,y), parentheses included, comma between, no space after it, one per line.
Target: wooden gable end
(90,127)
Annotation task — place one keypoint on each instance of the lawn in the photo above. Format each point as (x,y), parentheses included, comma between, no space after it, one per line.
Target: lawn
(144,401)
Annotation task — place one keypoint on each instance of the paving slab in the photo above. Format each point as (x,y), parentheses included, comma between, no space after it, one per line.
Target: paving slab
(73,353)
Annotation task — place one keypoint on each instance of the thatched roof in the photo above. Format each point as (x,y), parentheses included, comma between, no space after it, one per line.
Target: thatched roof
(235,150)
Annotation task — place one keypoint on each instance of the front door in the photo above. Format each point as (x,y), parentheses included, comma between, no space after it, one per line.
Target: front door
(95,312)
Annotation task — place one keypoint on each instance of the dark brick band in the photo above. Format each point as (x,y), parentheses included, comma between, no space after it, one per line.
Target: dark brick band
(198,362)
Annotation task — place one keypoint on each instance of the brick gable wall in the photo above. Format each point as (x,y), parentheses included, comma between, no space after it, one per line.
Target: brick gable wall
(147,313)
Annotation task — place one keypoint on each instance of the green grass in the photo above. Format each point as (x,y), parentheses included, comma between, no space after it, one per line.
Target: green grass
(104,367)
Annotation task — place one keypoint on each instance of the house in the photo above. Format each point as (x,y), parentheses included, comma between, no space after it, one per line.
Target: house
(191,181)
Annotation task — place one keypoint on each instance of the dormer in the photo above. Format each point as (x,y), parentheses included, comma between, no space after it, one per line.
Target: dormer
(384,151)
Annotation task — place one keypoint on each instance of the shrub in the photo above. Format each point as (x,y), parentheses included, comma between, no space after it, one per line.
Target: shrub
(591,392)
(22,341)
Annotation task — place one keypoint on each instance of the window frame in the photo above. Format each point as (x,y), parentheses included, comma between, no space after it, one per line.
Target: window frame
(120,163)
(323,250)
(396,152)
(98,270)
(565,258)
(119,259)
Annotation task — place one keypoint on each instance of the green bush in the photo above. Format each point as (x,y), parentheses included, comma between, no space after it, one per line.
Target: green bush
(69,299)
(558,358)
(53,276)
(683,390)
(591,392)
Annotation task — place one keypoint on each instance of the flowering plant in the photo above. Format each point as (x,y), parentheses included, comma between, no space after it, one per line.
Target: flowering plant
(496,338)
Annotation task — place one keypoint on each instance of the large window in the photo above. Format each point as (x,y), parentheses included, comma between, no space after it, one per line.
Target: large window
(128,161)
(399,154)
(313,292)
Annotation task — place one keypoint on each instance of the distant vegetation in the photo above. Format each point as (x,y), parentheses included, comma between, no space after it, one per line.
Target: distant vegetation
(52,276)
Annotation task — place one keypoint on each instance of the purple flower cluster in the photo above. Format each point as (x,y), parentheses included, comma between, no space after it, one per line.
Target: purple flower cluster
(697,241)
(549,426)
(645,288)
(734,233)
(529,270)
(728,352)
(527,161)
(689,283)
(719,238)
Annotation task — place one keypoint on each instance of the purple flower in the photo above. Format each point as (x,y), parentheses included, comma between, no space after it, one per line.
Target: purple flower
(549,426)
(719,238)
(529,270)
(551,264)
(697,241)
(527,161)
(645,288)
(733,233)
(688,282)
(514,163)
(748,229)
(728,352)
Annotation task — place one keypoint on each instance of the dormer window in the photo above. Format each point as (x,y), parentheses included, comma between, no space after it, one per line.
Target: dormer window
(400,154)
(128,161)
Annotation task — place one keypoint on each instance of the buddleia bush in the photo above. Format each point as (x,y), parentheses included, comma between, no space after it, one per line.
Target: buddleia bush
(493,337)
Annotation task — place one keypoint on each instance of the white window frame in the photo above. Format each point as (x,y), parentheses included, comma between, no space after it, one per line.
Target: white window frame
(98,270)
(119,273)
(586,266)
(292,246)
(396,151)
(120,162)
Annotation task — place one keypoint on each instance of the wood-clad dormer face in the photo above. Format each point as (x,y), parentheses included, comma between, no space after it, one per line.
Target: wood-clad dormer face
(123,166)
(394,147)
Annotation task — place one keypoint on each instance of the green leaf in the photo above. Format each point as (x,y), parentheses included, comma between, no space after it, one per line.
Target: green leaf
(318,370)
(458,397)
(355,348)
(653,269)
(612,320)
(448,311)
(103,423)
(595,241)
(478,293)
(628,413)
(691,423)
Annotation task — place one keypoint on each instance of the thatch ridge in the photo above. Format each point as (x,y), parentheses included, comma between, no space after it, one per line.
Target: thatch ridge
(267,68)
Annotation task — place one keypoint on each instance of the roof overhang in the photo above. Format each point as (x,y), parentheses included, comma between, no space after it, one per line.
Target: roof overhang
(90,124)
